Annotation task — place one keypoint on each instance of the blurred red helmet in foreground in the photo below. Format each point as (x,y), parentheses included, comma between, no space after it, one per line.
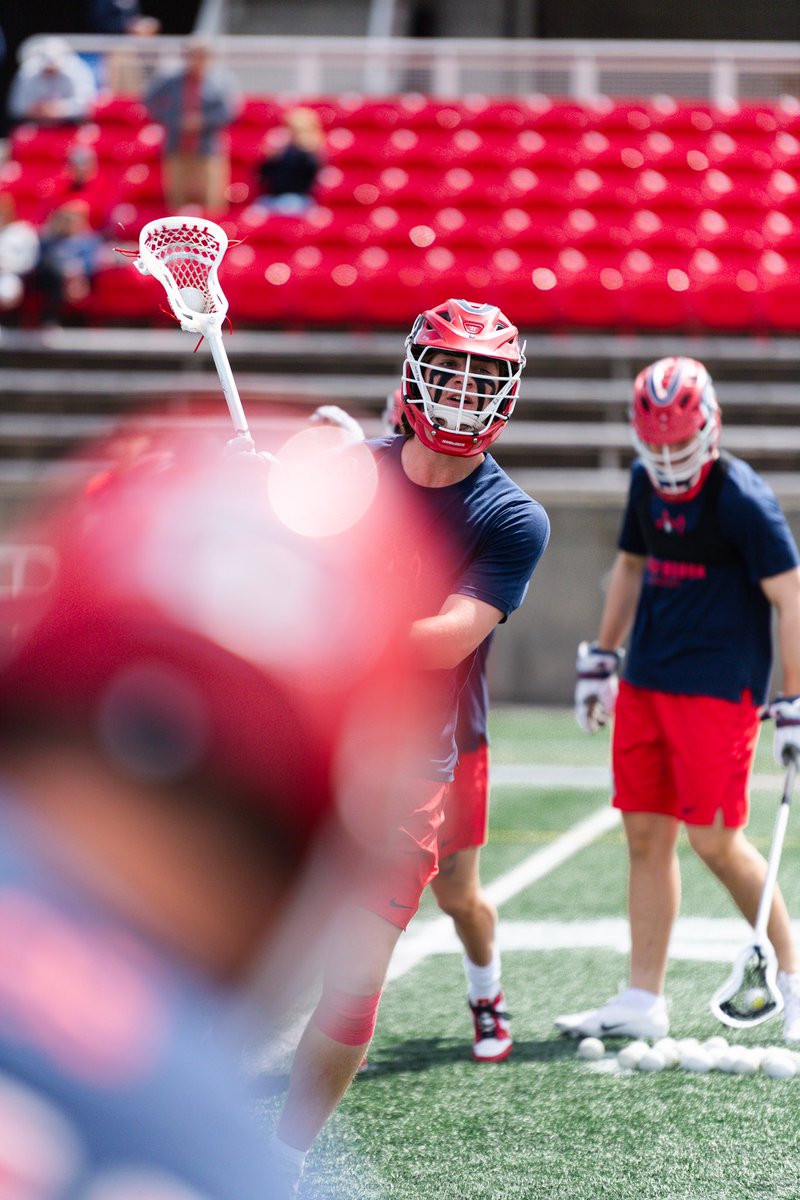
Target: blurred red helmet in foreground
(219,624)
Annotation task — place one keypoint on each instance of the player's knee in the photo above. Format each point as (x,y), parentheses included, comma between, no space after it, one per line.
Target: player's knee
(345,1017)
(646,844)
(461,903)
(719,849)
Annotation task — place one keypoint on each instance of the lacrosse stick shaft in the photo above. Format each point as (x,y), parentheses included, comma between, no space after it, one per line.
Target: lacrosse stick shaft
(775,851)
(229,389)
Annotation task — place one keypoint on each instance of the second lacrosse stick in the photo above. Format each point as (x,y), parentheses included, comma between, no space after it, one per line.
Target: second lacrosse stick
(751,994)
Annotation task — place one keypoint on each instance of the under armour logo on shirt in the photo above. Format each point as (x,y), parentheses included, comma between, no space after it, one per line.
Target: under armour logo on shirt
(669,524)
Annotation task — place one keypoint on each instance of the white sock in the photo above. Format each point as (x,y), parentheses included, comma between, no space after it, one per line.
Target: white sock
(483,983)
(639,998)
(288,1160)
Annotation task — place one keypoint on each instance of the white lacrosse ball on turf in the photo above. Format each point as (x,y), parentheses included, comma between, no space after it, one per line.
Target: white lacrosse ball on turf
(652,1060)
(745,1063)
(193,298)
(591,1049)
(697,1061)
(726,1060)
(778,1064)
(716,1043)
(668,1047)
(628,1057)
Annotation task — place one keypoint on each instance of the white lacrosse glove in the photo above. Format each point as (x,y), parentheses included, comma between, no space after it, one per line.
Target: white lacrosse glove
(331,414)
(596,685)
(785,711)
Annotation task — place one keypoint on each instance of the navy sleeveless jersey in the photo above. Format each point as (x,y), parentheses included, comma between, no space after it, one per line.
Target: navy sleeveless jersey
(495,535)
(703,624)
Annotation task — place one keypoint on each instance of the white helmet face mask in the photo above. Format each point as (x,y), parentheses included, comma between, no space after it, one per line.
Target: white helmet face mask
(675,470)
(460,397)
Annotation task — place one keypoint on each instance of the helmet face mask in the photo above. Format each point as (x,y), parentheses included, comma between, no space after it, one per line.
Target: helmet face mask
(461,377)
(675,423)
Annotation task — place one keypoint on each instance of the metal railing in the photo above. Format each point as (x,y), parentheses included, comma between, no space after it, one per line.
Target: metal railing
(722,72)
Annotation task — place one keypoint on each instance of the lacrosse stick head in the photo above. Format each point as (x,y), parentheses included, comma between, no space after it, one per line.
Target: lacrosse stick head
(750,994)
(183,254)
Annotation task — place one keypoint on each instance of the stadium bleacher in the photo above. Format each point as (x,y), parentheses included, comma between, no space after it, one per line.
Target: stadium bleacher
(602,214)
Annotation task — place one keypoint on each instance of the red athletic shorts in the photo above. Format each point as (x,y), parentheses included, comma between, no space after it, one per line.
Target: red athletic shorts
(687,757)
(466,805)
(409,861)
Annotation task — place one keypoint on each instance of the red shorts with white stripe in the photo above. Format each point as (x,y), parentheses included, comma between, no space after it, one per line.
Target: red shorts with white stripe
(688,757)
(466,805)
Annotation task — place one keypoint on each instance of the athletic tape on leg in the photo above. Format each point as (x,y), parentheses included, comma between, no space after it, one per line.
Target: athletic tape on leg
(346,1018)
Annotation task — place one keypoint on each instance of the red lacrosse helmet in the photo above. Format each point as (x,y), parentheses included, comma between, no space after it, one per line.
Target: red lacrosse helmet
(675,423)
(461,377)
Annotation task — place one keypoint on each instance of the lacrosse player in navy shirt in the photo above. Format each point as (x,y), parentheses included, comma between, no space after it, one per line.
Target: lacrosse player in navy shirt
(705,556)
(461,378)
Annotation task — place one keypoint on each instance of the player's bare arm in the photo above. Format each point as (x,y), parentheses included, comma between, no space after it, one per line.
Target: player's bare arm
(445,640)
(624,589)
(783,593)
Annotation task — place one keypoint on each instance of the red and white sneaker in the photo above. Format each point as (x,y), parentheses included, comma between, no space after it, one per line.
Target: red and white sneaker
(493,1039)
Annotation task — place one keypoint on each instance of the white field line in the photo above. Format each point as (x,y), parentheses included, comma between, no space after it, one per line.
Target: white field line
(696,939)
(428,937)
(533,776)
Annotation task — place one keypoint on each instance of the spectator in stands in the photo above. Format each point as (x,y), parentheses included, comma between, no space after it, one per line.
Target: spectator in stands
(69,256)
(121,16)
(287,175)
(195,104)
(19,250)
(81,180)
(123,70)
(53,86)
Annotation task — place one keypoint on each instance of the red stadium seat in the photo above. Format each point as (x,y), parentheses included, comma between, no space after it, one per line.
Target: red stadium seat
(667,230)
(749,119)
(590,287)
(655,294)
(41,142)
(120,295)
(723,293)
(779,291)
(683,116)
(542,112)
(622,116)
(119,111)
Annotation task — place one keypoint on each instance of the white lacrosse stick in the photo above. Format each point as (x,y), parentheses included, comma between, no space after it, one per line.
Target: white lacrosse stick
(184,253)
(751,994)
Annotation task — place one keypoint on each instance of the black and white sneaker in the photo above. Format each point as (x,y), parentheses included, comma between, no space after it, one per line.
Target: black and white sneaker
(618,1019)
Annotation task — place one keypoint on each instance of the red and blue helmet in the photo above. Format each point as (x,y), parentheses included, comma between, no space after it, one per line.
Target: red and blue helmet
(461,377)
(676,423)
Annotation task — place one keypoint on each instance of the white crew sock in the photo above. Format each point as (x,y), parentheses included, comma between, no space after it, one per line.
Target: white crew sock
(639,998)
(483,983)
(288,1163)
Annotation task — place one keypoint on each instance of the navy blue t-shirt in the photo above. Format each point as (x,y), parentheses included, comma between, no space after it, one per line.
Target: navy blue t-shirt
(472,728)
(494,534)
(703,625)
